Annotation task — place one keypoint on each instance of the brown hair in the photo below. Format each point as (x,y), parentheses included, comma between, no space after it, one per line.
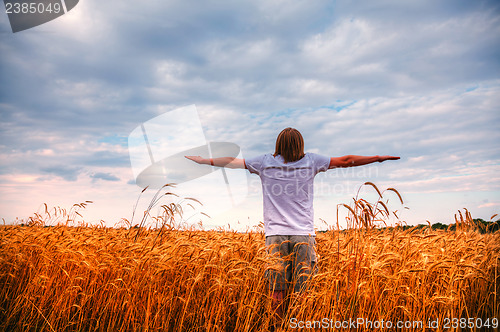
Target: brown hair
(290,145)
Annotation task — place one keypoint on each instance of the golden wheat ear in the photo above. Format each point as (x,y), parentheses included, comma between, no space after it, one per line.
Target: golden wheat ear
(397,193)
(375,187)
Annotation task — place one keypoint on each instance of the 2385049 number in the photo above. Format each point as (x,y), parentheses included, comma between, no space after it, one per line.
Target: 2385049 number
(463,323)
(32,8)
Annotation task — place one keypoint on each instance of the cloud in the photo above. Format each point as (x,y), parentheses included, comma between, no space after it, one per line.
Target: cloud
(68,173)
(104,176)
(489,204)
(445,144)
(419,79)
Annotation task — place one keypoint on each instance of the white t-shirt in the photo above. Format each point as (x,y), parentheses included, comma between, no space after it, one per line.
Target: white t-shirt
(287,190)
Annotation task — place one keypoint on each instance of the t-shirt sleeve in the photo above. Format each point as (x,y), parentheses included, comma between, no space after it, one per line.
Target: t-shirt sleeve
(320,162)
(255,164)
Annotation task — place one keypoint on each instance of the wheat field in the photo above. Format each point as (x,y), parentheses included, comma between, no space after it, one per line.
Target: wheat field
(164,277)
(105,279)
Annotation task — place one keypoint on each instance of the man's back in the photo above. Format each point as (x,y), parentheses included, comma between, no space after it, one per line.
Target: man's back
(287,190)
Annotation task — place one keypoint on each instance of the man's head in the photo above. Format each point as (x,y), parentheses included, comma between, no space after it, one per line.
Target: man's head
(290,145)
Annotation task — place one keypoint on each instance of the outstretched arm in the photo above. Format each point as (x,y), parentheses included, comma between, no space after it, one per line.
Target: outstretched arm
(351,160)
(220,162)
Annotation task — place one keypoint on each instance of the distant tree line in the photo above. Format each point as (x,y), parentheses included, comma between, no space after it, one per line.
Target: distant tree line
(478,224)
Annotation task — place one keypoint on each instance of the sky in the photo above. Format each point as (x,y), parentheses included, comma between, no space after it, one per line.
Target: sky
(415,79)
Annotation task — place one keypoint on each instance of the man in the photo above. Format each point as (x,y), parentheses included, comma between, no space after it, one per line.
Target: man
(287,178)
